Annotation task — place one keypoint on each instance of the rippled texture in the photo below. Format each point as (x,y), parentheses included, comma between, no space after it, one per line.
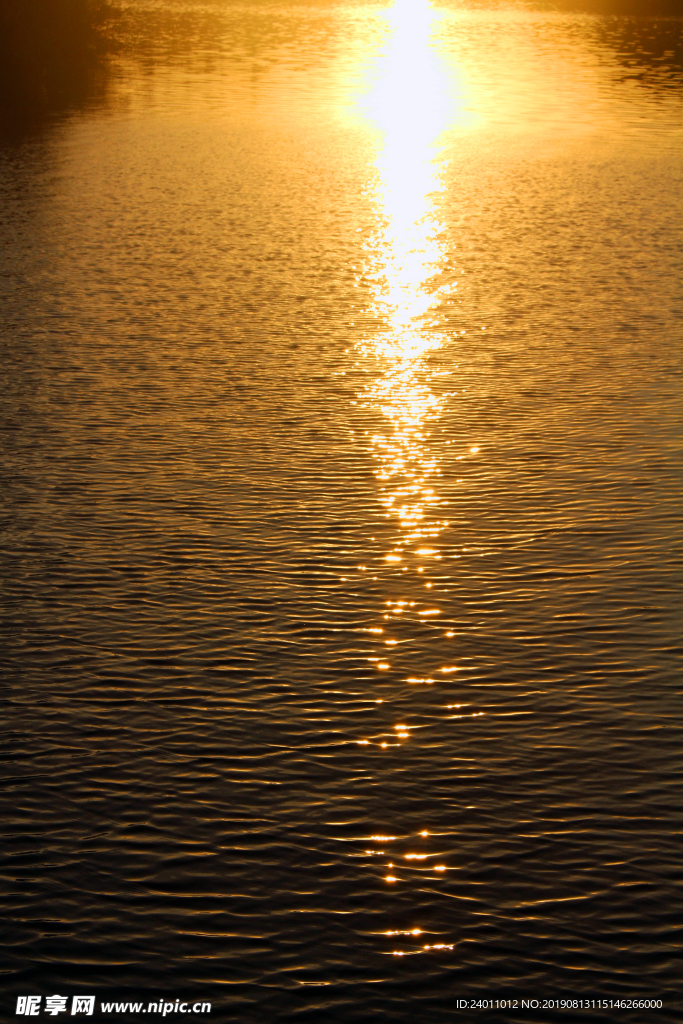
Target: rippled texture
(341,405)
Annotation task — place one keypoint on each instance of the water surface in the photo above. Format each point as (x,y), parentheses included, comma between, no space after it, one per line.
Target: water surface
(341,503)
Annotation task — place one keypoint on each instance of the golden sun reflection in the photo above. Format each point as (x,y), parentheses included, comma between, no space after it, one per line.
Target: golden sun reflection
(405,263)
(409,109)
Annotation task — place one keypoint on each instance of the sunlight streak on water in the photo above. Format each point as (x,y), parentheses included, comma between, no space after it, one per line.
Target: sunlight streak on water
(404,261)
(409,107)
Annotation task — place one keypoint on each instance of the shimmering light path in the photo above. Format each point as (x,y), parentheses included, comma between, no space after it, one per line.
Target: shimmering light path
(402,260)
(406,264)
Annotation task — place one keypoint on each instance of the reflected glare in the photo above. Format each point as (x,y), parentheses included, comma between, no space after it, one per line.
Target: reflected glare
(409,108)
(404,262)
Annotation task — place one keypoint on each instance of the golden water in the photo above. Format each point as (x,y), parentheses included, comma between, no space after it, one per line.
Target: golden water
(341,492)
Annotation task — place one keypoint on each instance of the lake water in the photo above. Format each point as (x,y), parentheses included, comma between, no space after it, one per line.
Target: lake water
(341,493)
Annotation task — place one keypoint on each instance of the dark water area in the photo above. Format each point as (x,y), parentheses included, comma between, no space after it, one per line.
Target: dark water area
(340,629)
(53,57)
